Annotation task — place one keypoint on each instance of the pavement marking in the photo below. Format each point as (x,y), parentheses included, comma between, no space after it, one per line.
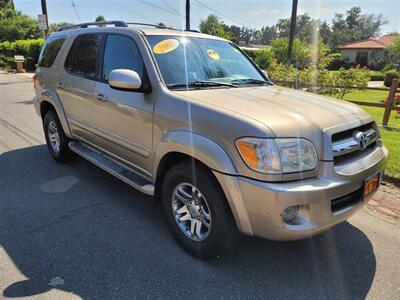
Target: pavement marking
(59,185)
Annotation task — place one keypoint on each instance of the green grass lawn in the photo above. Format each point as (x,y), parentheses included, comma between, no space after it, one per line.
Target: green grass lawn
(367,96)
(391,139)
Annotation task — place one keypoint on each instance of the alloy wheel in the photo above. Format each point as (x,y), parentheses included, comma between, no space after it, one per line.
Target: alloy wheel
(54,136)
(191,211)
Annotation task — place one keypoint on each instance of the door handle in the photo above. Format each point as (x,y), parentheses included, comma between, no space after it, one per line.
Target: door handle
(60,85)
(102,97)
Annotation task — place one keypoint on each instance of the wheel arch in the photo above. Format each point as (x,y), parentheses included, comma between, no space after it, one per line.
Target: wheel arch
(195,146)
(50,100)
(181,146)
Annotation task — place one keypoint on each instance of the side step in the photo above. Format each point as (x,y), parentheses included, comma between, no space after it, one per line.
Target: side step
(113,167)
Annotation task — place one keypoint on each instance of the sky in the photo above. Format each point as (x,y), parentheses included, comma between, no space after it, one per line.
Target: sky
(250,13)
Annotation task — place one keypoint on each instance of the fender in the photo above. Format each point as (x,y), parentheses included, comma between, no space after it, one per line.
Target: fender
(197,146)
(213,156)
(51,97)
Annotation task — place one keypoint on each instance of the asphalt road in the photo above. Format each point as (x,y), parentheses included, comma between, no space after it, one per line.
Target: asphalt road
(71,231)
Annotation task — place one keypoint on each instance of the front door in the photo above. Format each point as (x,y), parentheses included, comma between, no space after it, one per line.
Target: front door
(123,119)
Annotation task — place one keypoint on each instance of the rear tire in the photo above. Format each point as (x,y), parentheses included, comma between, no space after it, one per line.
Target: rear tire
(57,141)
(191,195)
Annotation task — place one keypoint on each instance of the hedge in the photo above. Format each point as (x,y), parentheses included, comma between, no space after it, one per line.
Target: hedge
(30,49)
(377,76)
(389,76)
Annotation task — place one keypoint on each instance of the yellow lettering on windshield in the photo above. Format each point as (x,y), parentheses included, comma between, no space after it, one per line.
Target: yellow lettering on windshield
(213,54)
(165,46)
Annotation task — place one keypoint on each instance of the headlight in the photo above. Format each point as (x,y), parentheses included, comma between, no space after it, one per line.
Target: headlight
(276,156)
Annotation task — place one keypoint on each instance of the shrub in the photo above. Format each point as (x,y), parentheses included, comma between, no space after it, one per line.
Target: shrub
(289,76)
(389,76)
(336,62)
(252,53)
(376,76)
(30,49)
(264,59)
(353,77)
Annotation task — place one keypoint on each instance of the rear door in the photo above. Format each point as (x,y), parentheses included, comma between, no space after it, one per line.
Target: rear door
(123,119)
(76,86)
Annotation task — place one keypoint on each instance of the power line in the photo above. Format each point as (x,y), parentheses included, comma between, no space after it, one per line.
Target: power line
(163,8)
(236,20)
(75,9)
(131,11)
(170,6)
(171,11)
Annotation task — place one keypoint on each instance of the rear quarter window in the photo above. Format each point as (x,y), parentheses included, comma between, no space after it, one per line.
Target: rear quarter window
(50,50)
(83,56)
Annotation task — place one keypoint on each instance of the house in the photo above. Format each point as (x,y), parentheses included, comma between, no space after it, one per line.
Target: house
(366,52)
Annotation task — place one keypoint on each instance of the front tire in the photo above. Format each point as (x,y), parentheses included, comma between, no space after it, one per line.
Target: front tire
(57,141)
(196,210)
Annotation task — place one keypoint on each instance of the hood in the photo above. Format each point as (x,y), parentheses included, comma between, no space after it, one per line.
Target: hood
(286,112)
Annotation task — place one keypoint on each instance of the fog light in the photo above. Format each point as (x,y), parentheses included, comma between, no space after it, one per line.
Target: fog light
(290,213)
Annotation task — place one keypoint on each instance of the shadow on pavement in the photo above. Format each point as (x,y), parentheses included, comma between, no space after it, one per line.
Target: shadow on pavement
(78,229)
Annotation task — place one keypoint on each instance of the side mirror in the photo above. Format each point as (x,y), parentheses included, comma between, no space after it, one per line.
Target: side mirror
(124,79)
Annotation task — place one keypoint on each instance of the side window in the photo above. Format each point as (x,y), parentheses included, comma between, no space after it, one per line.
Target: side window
(82,58)
(121,52)
(50,51)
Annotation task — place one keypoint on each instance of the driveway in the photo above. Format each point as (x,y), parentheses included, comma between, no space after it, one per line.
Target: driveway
(71,231)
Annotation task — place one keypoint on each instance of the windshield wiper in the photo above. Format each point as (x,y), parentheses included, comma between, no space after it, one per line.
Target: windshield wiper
(200,83)
(251,81)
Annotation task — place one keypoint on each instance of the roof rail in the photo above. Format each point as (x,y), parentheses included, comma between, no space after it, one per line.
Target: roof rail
(86,25)
(151,25)
(159,26)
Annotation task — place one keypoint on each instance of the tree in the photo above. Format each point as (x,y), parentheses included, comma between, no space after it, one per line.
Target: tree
(7,4)
(55,26)
(7,9)
(325,33)
(234,31)
(16,26)
(300,54)
(212,25)
(100,19)
(354,26)
(268,34)
(307,29)
(394,52)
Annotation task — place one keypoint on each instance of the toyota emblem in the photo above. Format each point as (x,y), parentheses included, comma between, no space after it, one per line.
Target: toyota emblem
(361,139)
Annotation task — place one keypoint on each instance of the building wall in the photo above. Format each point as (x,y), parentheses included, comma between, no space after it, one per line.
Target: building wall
(351,54)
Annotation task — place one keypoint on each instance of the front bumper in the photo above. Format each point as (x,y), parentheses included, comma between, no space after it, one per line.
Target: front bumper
(257,206)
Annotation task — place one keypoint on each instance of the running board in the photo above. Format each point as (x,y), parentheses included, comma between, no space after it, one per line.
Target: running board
(113,167)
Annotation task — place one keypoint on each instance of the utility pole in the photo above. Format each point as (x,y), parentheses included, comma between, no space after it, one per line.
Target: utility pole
(292,30)
(187,14)
(44,12)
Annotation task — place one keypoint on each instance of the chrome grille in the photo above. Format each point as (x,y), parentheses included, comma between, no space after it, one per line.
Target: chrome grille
(356,139)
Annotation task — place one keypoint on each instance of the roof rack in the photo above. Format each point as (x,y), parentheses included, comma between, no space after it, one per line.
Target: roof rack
(86,25)
(151,25)
(117,24)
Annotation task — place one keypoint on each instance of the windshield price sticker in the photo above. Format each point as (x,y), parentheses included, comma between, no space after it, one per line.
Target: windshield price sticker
(213,54)
(166,46)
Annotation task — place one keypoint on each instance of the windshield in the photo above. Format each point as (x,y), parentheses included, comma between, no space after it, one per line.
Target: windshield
(188,60)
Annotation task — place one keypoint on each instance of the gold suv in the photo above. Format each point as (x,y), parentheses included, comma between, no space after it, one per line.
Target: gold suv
(190,119)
